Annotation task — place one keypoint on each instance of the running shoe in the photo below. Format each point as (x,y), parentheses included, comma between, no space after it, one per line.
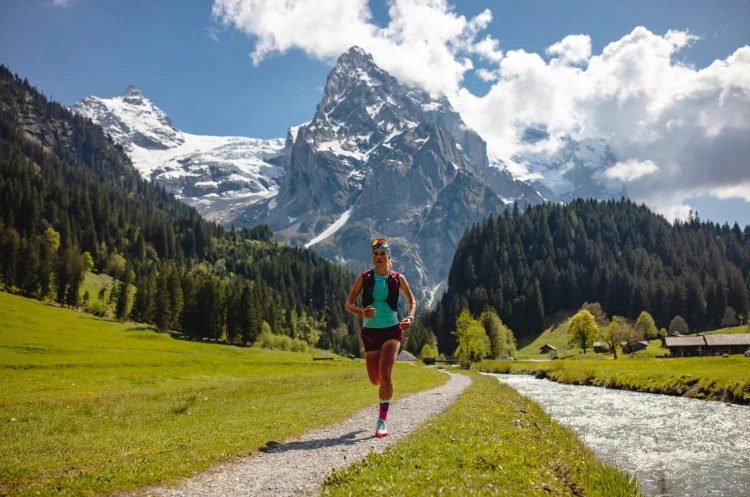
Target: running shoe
(382,429)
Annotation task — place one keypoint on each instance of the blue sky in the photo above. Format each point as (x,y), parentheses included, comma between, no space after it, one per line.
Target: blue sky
(200,73)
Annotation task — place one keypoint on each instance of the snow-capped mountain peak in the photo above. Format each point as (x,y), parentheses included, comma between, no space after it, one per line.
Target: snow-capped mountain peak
(218,175)
(383,157)
(575,169)
(132,120)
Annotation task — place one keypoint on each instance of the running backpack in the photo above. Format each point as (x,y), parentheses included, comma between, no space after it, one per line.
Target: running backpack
(368,285)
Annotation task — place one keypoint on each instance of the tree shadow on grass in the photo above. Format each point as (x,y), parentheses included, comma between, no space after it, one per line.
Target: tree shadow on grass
(346,439)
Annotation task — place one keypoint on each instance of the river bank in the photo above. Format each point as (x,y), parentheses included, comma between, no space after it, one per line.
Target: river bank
(708,378)
(674,446)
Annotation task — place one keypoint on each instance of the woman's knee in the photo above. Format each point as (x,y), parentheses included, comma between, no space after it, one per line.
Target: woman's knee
(375,379)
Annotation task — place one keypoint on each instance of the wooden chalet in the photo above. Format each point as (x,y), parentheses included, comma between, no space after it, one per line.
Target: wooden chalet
(547,348)
(629,348)
(601,347)
(731,343)
(685,346)
(727,343)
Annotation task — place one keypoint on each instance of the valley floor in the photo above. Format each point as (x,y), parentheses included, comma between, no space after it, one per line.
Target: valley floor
(90,406)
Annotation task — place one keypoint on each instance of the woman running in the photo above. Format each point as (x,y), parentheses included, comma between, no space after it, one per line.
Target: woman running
(382,333)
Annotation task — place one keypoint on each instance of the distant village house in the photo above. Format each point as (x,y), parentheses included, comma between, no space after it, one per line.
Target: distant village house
(629,348)
(728,343)
(547,348)
(601,347)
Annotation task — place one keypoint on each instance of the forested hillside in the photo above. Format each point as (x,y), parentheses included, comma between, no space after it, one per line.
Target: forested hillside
(553,257)
(70,201)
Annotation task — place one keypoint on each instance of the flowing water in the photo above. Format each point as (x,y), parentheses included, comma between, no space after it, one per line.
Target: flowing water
(673,445)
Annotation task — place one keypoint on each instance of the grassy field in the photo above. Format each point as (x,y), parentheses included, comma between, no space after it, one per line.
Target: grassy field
(556,335)
(735,329)
(94,283)
(713,378)
(89,406)
(491,441)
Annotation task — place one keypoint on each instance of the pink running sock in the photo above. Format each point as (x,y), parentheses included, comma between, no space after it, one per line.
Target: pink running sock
(384,405)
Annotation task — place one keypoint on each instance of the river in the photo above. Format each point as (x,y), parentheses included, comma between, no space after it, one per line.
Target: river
(673,445)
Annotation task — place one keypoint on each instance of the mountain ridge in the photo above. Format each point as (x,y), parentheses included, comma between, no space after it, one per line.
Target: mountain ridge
(372,142)
(215,174)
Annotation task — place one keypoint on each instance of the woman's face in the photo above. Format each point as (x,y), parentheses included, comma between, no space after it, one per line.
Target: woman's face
(380,258)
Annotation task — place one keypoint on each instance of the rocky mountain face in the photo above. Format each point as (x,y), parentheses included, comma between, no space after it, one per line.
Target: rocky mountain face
(380,158)
(218,175)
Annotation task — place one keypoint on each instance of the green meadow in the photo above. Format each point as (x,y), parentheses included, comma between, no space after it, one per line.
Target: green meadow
(91,406)
(491,441)
(713,378)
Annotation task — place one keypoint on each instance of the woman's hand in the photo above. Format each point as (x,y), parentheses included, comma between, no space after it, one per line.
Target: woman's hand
(405,323)
(369,311)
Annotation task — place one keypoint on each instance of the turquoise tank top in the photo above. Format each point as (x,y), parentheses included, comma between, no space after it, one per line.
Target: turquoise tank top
(384,317)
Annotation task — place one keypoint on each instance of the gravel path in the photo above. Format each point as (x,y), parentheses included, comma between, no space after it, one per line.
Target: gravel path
(298,466)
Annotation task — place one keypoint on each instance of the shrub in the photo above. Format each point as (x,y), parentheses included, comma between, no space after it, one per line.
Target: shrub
(97,308)
(428,351)
(268,340)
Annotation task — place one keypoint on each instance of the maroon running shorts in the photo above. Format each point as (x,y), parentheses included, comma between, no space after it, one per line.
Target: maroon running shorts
(374,338)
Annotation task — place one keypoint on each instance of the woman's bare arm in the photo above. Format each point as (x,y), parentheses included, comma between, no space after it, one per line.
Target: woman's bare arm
(368,312)
(406,322)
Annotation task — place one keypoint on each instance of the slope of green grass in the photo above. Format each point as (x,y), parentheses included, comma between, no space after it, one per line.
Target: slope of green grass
(556,335)
(491,441)
(90,406)
(735,329)
(94,283)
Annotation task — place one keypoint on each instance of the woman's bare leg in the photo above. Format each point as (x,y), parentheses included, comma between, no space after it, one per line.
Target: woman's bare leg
(372,359)
(388,353)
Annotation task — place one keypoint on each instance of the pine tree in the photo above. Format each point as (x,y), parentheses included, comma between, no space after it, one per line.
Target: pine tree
(163,316)
(143,306)
(122,307)
(176,299)
(535,313)
(76,272)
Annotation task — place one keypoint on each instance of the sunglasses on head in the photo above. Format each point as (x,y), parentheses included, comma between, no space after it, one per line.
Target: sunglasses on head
(380,242)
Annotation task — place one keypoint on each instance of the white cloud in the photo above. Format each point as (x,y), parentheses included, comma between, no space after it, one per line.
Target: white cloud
(61,3)
(488,49)
(733,191)
(486,75)
(574,49)
(630,170)
(651,108)
(425,43)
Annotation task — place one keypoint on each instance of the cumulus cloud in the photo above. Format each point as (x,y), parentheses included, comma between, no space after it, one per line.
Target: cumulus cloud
(425,43)
(733,191)
(486,75)
(694,123)
(630,170)
(488,49)
(573,49)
